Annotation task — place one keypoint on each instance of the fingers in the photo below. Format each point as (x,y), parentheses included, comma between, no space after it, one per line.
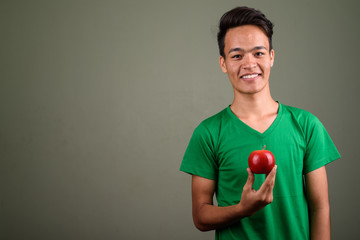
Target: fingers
(250,180)
(269,182)
(271,171)
(252,200)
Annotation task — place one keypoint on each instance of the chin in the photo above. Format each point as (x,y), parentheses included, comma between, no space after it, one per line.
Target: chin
(250,91)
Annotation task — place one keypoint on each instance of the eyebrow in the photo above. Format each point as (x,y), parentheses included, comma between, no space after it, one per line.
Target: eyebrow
(243,50)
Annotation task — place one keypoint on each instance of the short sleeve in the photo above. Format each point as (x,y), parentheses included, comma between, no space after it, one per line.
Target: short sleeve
(200,157)
(320,148)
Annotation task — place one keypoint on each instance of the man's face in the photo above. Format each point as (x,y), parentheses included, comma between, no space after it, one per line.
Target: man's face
(247,59)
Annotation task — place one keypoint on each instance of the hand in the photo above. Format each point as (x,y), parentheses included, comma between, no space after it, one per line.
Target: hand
(252,200)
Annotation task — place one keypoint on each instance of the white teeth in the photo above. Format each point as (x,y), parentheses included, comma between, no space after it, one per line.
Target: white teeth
(250,76)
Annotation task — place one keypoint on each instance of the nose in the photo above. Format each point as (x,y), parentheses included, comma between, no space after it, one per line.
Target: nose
(249,61)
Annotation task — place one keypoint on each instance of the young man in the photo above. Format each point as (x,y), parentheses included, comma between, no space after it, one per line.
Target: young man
(280,205)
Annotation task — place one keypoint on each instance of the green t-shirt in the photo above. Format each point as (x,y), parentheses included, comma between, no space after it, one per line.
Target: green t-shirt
(219,150)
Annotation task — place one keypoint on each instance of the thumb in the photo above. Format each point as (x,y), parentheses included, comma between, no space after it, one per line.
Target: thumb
(250,180)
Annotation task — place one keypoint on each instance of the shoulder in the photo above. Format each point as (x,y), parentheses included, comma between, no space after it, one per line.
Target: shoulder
(305,120)
(298,114)
(215,121)
(209,129)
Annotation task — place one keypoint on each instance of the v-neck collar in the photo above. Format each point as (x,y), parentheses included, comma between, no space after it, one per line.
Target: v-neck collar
(253,131)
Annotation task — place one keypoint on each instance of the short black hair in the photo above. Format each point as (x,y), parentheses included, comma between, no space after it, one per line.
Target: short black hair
(240,16)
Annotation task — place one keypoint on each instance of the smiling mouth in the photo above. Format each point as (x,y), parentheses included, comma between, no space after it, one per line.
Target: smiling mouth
(250,76)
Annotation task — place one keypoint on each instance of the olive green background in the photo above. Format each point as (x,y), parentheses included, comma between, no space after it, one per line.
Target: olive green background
(99,99)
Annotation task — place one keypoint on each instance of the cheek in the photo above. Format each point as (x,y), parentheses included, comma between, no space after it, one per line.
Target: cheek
(266,66)
(232,68)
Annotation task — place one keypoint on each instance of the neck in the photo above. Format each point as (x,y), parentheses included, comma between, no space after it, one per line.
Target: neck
(253,105)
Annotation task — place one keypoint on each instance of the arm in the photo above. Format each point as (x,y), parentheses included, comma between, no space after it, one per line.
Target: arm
(209,217)
(318,198)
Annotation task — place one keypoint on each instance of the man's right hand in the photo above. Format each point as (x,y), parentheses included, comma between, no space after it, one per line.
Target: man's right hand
(252,200)
(209,217)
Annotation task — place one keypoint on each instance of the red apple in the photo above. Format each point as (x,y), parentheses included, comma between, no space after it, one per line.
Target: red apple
(261,161)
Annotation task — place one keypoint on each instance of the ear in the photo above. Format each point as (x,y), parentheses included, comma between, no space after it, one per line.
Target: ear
(272,56)
(222,64)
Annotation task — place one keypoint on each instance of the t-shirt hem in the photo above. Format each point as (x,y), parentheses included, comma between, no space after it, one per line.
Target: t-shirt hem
(322,163)
(198,172)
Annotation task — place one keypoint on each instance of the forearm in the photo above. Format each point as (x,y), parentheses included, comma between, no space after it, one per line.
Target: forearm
(320,223)
(209,217)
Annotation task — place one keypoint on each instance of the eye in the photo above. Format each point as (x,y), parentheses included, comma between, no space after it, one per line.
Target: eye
(237,56)
(258,54)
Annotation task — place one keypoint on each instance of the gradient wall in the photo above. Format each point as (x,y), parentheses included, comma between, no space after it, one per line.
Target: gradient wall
(99,99)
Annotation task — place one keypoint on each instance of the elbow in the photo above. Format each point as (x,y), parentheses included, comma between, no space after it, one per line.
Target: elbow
(319,206)
(201,219)
(201,226)
(320,210)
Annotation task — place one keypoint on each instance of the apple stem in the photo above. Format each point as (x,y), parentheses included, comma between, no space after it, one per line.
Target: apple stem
(264,147)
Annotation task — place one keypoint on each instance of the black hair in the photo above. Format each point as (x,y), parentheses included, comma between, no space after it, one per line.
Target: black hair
(240,16)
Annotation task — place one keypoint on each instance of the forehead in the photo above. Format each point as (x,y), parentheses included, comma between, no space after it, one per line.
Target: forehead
(246,36)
